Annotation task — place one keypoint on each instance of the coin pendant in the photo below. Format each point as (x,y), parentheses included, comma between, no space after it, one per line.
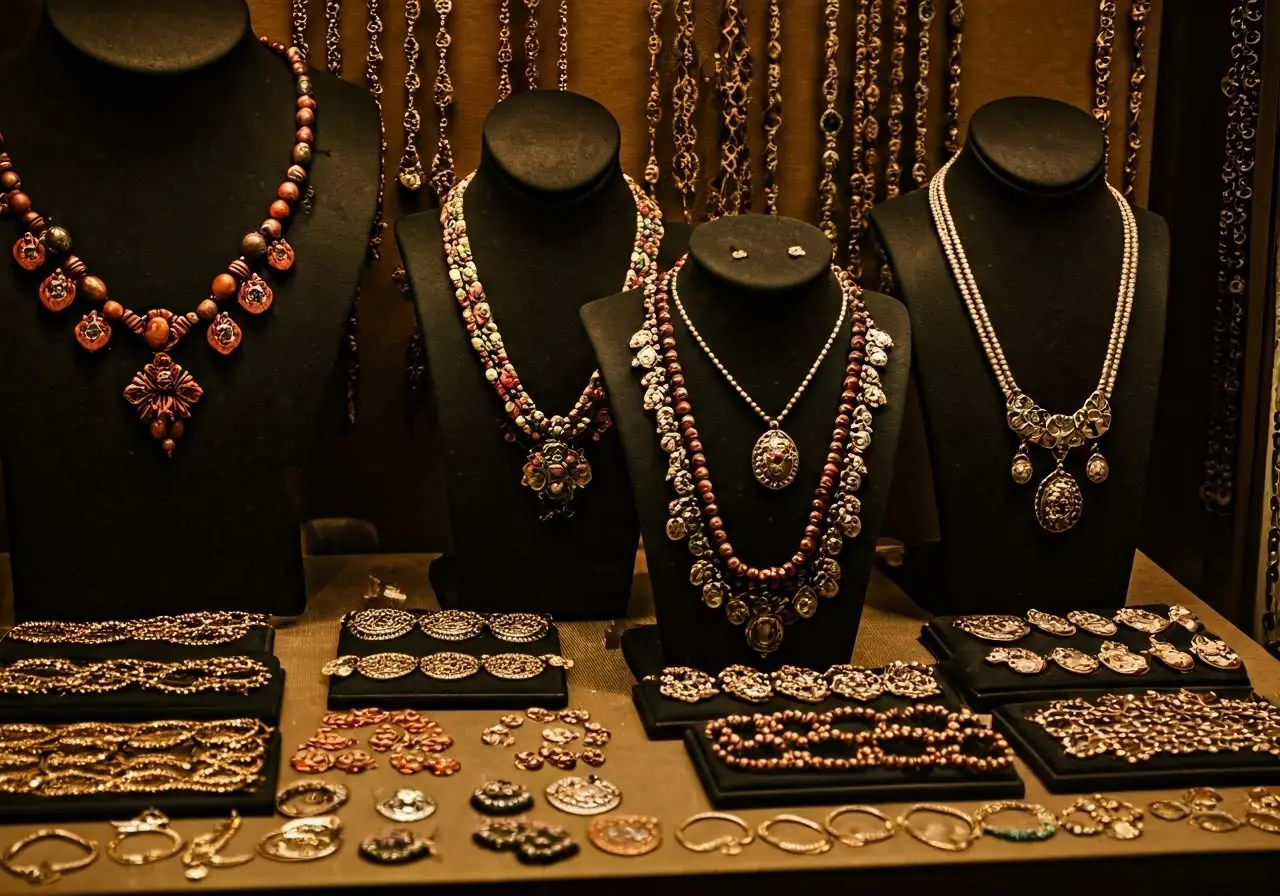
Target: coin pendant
(775,460)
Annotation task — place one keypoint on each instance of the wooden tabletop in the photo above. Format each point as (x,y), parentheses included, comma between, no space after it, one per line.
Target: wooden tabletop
(657,779)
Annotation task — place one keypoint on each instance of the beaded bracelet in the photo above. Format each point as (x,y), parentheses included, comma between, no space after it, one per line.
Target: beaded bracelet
(1046,827)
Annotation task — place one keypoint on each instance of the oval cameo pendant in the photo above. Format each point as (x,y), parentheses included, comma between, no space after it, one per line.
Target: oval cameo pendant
(1059,501)
(775,460)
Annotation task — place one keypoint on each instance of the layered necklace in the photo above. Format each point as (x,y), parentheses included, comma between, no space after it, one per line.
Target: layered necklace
(163,392)
(763,599)
(556,466)
(1059,501)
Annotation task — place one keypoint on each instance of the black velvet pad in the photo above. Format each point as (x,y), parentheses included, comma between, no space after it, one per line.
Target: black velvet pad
(733,789)
(258,639)
(134,705)
(1061,773)
(667,719)
(962,657)
(479,691)
(23,808)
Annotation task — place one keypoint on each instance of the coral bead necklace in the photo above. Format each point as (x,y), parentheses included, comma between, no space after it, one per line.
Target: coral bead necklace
(163,392)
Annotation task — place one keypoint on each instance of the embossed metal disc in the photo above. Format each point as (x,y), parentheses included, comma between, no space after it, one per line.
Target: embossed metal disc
(775,459)
(1059,502)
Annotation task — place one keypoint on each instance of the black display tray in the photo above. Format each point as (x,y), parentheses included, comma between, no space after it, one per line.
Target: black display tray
(259,639)
(732,789)
(666,719)
(27,809)
(133,705)
(1061,773)
(962,660)
(479,691)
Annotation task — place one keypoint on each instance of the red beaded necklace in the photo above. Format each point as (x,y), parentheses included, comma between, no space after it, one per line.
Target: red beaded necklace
(765,598)
(556,467)
(163,392)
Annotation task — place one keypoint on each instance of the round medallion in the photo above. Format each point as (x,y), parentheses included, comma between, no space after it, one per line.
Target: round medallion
(501,798)
(1171,656)
(805,602)
(1058,502)
(625,835)
(993,626)
(764,633)
(737,611)
(1050,624)
(714,593)
(1073,660)
(395,847)
(1119,658)
(406,806)
(1019,659)
(591,795)
(675,528)
(1021,469)
(775,459)
(1093,623)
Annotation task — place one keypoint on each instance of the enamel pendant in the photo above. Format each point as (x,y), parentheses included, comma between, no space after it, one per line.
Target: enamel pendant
(1171,656)
(1093,623)
(1118,658)
(1019,659)
(775,460)
(1050,624)
(1073,660)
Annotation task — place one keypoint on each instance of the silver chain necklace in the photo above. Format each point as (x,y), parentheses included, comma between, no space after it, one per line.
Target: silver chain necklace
(775,458)
(1059,501)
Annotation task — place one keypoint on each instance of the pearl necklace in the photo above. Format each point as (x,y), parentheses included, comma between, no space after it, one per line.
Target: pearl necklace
(763,599)
(556,467)
(1059,501)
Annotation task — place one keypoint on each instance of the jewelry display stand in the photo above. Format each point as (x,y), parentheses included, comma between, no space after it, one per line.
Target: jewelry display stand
(478,691)
(201,122)
(1061,773)
(551,222)
(728,788)
(667,719)
(766,315)
(259,639)
(962,658)
(1044,238)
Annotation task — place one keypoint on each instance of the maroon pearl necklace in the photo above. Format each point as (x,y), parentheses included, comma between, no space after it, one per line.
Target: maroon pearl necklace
(163,392)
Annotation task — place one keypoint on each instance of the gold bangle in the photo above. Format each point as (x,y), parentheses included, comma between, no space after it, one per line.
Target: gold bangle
(955,844)
(322,798)
(814,848)
(153,821)
(48,872)
(1046,822)
(859,838)
(727,844)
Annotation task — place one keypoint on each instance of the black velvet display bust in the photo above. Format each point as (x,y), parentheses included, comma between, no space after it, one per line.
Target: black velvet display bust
(766,316)
(156,134)
(1044,239)
(552,222)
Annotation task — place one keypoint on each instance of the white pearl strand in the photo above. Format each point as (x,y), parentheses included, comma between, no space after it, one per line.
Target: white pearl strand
(978,313)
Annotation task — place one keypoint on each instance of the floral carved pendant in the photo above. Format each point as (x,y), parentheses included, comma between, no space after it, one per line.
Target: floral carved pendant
(556,470)
(775,459)
(164,393)
(1059,501)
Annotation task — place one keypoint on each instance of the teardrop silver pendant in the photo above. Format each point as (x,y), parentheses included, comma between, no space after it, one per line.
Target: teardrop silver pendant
(1059,501)
(775,459)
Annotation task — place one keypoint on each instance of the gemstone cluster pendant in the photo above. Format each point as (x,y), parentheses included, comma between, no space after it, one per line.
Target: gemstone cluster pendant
(775,459)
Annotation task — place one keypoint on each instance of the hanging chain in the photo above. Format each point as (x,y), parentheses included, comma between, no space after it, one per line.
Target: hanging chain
(1241,87)
(411,175)
(531,45)
(893,124)
(920,154)
(1103,44)
(1137,75)
(442,162)
(562,58)
(653,106)
(504,50)
(830,122)
(955,19)
(857,160)
(373,80)
(333,37)
(871,129)
(772,122)
(686,166)
(298,26)
(731,187)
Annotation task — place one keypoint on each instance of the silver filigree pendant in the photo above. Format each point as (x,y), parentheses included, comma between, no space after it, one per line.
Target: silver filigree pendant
(775,460)
(1059,501)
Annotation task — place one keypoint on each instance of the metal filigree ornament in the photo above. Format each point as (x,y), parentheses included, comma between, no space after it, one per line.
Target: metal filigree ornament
(763,601)
(855,683)
(591,795)
(1142,620)
(1073,660)
(1185,618)
(1171,656)
(1059,501)
(1019,659)
(1214,652)
(1051,624)
(406,806)
(1093,623)
(993,626)
(746,684)
(1119,658)
(556,467)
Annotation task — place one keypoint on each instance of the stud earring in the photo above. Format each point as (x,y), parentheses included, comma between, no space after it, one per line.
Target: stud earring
(796,252)
(737,254)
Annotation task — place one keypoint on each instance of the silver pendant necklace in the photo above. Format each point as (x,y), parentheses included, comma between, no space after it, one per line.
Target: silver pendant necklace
(775,458)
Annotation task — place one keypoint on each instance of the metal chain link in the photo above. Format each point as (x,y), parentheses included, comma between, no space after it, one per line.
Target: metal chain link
(653,106)
(373,80)
(686,165)
(442,162)
(504,50)
(830,123)
(562,59)
(1137,75)
(1103,44)
(531,45)
(298,26)
(731,187)
(955,19)
(772,122)
(857,155)
(412,176)
(333,37)
(920,154)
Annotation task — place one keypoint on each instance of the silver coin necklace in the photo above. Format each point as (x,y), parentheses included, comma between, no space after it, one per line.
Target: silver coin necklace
(775,457)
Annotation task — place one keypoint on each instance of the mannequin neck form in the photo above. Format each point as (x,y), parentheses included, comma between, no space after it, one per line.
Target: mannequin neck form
(159,37)
(715,297)
(495,178)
